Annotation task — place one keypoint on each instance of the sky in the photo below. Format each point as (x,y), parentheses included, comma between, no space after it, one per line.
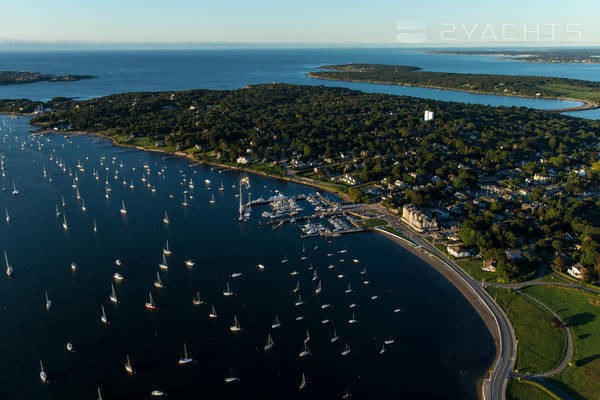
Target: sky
(448,23)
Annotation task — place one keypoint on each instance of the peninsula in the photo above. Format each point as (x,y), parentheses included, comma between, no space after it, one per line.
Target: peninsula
(565,55)
(21,77)
(506,85)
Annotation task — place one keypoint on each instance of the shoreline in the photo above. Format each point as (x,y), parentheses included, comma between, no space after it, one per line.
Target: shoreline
(452,277)
(587,104)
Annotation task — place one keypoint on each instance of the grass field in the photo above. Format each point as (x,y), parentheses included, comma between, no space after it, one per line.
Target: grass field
(372,222)
(524,390)
(581,313)
(541,347)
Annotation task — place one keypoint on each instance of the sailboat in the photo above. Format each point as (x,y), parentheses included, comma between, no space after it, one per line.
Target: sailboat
(43,376)
(63,200)
(213,313)
(9,268)
(123,209)
(315,275)
(64,225)
(103,317)
(348,290)
(113,294)
(276,323)
(299,302)
(284,259)
(158,283)
(307,338)
(7,216)
(69,347)
(352,320)
(221,188)
(185,203)
(83,207)
(231,377)
(196,299)
(95,228)
(166,250)
(212,199)
(48,302)
(99,394)
(227,292)
(270,343)
(150,303)
(15,191)
(166,218)
(74,267)
(346,350)
(236,325)
(157,393)
(297,288)
(305,352)
(163,264)
(57,212)
(186,359)
(118,277)
(335,337)
(128,366)
(382,349)
(189,263)
(319,288)
(303,382)
(77,194)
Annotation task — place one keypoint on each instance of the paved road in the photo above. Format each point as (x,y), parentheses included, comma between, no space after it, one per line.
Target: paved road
(494,388)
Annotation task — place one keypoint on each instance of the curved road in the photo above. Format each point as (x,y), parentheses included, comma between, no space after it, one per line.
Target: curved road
(494,388)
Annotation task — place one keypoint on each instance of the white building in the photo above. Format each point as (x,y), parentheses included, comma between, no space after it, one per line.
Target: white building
(576,271)
(458,251)
(417,220)
(242,160)
(428,116)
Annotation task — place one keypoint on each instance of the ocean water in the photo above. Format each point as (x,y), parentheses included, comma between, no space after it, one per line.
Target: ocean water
(438,336)
(126,71)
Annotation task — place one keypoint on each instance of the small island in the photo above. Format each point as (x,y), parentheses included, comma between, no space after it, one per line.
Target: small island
(505,85)
(20,77)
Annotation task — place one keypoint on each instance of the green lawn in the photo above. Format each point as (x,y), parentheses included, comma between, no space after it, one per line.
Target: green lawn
(473,268)
(372,222)
(541,347)
(525,390)
(581,313)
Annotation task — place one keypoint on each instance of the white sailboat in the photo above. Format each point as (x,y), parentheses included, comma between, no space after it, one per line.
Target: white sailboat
(95,228)
(7,216)
(113,295)
(118,277)
(15,191)
(185,203)
(48,302)
(83,207)
(221,188)
(128,366)
(74,267)
(227,292)
(319,288)
(302,382)
(305,352)
(382,349)
(189,263)
(346,350)
(212,199)
(335,337)
(236,325)
(307,338)
(166,218)
(57,212)
(213,313)
(270,343)
(276,323)
(64,225)
(299,302)
(297,288)
(186,359)
(43,376)
(123,209)
(99,394)
(352,320)
(196,300)
(158,283)
(9,268)
(103,317)
(157,393)
(166,250)
(163,264)
(150,303)
(63,200)
(69,347)
(231,377)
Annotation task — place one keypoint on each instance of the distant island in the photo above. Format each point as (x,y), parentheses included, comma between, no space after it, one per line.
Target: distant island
(20,77)
(506,85)
(582,56)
